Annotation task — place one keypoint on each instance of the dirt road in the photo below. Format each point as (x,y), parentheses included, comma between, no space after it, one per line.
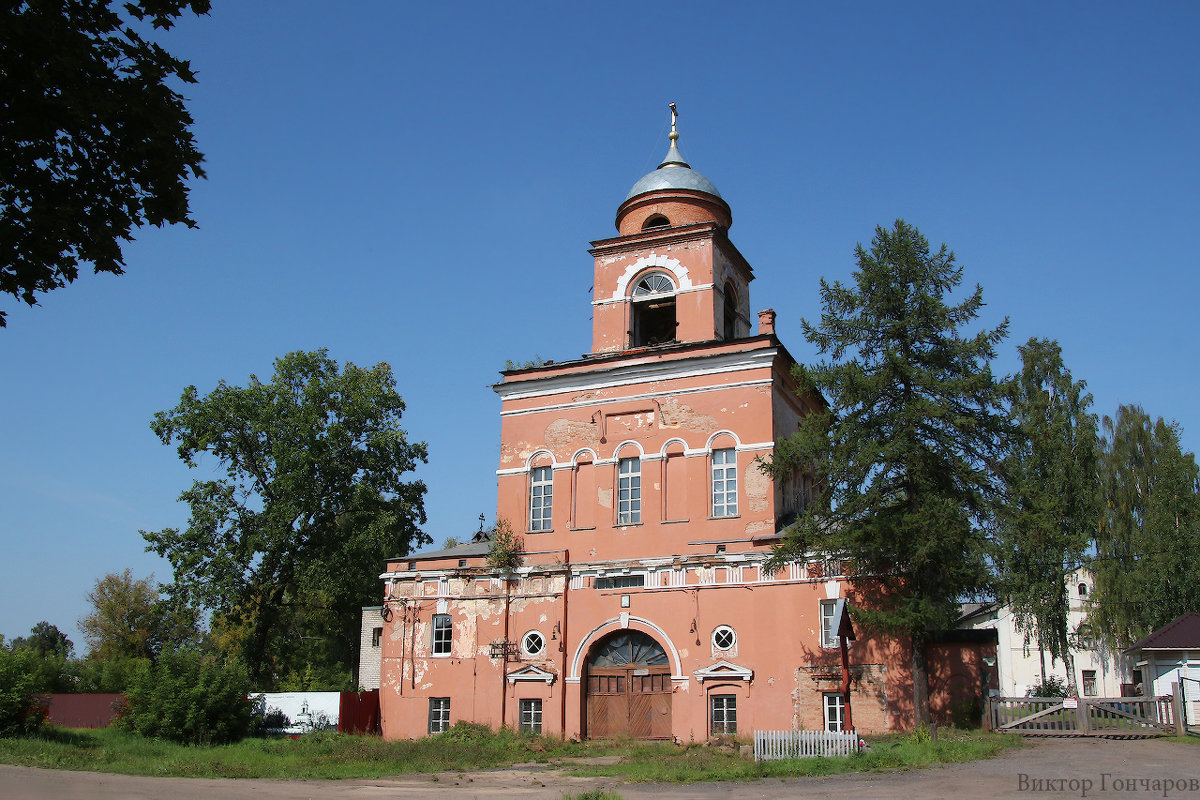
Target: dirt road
(1097,768)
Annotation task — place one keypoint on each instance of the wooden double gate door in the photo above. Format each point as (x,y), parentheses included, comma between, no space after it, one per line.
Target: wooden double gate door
(628,688)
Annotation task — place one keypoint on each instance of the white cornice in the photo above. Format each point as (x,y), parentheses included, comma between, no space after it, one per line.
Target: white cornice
(603,462)
(631,398)
(626,375)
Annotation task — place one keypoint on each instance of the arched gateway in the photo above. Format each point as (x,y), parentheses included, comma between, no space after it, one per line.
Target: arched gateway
(628,688)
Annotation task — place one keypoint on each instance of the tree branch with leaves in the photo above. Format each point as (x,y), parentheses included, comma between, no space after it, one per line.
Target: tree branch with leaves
(313,498)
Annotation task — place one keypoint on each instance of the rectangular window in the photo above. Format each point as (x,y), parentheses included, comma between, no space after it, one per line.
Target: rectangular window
(442,634)
(620,581)
(1089,683)
(828,634)
(376,636)
(541,498)
(722,714)
(439,714)
(629,491)
(724,483)
(835,711)
(531,716)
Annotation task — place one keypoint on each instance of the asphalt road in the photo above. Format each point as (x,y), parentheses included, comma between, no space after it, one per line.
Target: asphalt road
(1052,768)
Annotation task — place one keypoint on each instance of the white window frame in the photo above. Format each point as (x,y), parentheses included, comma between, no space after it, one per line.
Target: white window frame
(1088,676)
(723,476)
(441,635)
(833,705)
(629,491)
(728,709)
(829,638)
(530,715)
(439,715)
(541,498)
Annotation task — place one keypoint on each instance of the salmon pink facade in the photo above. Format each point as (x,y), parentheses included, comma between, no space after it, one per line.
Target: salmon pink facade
(642,604)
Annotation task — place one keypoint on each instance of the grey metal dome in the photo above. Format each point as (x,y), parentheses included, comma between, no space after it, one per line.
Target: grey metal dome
(673,173)
(673,177)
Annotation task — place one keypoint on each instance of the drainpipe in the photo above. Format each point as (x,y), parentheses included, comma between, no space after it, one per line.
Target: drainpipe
(562,643)
(403,636)
(504,659)
(412,650)
(848,722)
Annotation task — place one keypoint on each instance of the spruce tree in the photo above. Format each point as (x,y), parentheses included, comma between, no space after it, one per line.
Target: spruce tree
(1148,541)
(1051,503)
(906,452)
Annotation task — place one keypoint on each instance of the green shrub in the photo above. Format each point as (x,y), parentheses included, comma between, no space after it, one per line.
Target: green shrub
(967,713)
(188,697)
(22,708)
(1053,686)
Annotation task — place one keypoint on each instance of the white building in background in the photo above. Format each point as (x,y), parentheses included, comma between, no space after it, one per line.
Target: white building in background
(1169,656)
(1100,670)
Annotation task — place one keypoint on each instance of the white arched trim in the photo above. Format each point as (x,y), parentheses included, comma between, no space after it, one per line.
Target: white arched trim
(529,461)
(579,453)
(670,442)
(737,443)
(682,279)
(614,624)
(627,443)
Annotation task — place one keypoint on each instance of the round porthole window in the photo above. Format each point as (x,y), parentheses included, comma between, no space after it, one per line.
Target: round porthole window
(724,638)
(533,643)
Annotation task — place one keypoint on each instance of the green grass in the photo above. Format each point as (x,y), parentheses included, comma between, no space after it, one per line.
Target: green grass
(670,764)
(463,748)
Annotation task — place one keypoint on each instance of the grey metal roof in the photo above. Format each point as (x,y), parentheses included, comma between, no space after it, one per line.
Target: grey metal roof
(460,551)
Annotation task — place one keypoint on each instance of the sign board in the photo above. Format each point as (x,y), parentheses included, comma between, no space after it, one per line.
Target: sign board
(1070,702)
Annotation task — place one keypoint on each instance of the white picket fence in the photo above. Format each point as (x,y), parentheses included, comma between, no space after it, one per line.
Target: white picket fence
(773,745)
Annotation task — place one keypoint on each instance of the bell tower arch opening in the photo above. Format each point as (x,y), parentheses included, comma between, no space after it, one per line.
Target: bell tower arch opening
(652,310)
(628,687)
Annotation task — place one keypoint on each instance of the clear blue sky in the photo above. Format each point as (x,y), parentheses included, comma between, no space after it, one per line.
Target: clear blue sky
(417,184)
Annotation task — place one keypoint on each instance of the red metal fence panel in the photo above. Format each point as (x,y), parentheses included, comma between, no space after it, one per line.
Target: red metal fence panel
(359,712)
(84,710)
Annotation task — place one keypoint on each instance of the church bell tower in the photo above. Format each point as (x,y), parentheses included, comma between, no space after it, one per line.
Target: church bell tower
(671,275)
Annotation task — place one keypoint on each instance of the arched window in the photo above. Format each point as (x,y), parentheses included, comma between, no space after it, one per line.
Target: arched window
(653,317)
(729,327)
(656,221)
(541,498)
(629,491)
(625,648)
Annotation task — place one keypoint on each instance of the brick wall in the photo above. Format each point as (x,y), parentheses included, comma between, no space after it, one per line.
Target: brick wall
(369,649)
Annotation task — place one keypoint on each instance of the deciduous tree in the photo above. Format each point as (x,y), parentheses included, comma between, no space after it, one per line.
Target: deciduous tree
(94,142)
(906,452)
(313,499)
(1051,504)
(1148,541)
(129,619)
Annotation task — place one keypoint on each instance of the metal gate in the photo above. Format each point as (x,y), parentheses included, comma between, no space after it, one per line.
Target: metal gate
(1087,716)
(628,688)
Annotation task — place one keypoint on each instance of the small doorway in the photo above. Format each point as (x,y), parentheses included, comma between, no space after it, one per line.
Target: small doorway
(628,688)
